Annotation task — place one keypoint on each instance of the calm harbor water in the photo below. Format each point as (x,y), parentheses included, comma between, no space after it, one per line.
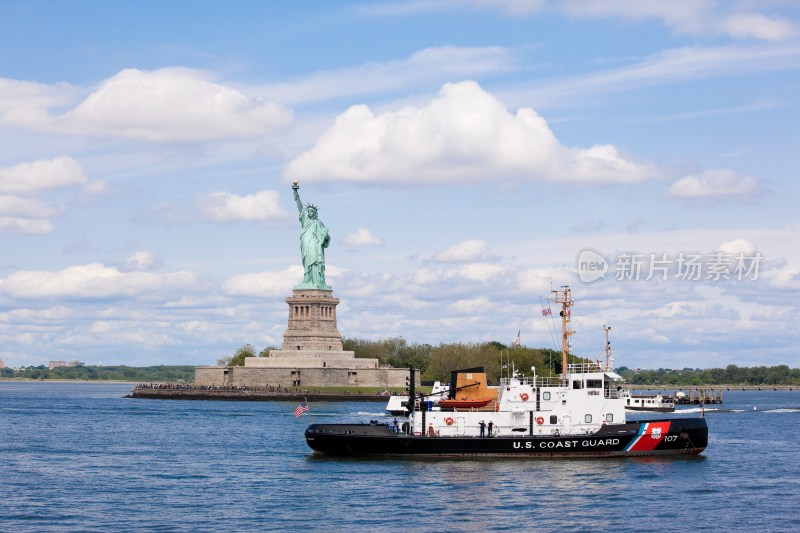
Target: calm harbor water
(77,456)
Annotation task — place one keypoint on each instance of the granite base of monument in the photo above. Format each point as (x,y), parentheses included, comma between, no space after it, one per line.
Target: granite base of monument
(311,355)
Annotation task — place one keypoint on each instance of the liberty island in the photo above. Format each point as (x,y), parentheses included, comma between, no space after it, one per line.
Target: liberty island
(312,353)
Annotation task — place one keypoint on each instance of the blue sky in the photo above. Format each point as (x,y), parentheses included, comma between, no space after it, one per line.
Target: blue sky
(463,155)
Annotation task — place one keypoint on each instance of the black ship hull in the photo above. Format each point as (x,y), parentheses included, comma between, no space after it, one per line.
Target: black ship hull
(678,436)
(651,409)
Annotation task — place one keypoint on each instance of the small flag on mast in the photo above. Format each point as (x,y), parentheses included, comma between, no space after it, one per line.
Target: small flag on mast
(516,340)
(546,312)
(300,409)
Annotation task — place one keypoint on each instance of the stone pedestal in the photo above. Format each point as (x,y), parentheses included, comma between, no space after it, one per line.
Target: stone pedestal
(312,339)
(311,355)
(312,322)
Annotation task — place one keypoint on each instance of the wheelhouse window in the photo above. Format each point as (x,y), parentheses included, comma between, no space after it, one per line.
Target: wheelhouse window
(594,383)
(577,384)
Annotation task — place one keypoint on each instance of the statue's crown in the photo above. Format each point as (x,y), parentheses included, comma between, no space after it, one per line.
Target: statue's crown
(312,206)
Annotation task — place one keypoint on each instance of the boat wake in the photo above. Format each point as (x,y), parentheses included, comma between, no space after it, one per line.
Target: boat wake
(700,410)
(719,410)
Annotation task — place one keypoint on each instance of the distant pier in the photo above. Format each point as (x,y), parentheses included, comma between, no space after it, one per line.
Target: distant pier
(699,396)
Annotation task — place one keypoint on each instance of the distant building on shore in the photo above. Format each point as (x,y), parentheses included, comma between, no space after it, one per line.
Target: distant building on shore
(55,364)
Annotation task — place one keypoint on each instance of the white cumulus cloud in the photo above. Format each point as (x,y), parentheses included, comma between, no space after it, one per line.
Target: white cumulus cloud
(24,207)
(465,251)
(92,281)
(361,239)
(425,277)
(142,260)
(24,186)
(737,246)
(24,103)
(264,284)
(166,105)
(481,304)
(715,184)
(479,271)
(30,178)
(463,134)
(537,281)
(25,215)
(228,207)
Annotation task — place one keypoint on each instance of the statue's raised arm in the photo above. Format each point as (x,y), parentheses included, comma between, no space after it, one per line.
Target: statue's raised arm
(296,189)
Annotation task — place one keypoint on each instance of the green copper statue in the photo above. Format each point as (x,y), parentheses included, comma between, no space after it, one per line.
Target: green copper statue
(314,238)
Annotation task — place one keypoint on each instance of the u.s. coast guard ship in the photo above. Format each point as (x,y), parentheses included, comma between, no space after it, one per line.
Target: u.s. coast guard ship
(579,414)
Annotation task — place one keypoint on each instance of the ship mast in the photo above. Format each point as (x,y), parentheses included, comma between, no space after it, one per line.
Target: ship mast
(563,296)
(609,357)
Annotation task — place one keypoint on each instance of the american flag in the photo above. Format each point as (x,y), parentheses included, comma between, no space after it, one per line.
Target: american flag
(300,409)
(546,312)
(516,339)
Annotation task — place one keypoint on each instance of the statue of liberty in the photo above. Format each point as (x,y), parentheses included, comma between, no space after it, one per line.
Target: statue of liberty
(314,238)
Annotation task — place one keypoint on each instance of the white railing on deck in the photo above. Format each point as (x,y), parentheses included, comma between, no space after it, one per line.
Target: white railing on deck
(584,368)
(537,381)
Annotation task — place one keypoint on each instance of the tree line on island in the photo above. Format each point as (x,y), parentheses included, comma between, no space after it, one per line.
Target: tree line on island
(176,373)
(436,363)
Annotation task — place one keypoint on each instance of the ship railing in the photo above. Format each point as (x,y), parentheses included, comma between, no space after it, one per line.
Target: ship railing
(584,368)
(614,393)
(538,381)
(516,381)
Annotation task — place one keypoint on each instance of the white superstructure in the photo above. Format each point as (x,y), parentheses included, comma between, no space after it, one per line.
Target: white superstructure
(578,402)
